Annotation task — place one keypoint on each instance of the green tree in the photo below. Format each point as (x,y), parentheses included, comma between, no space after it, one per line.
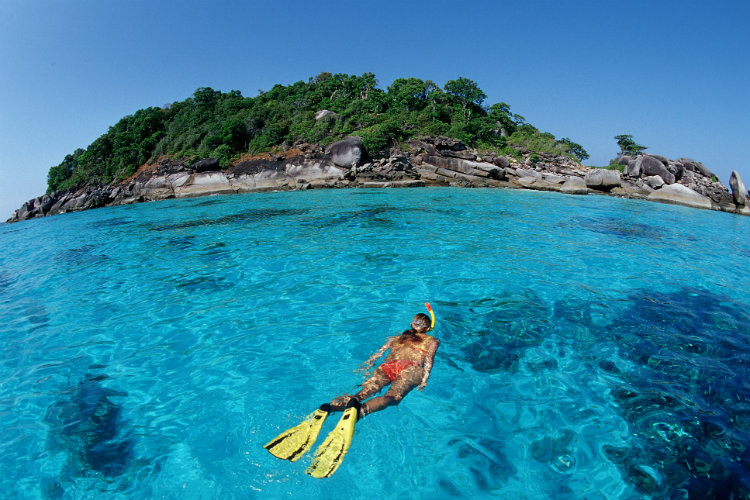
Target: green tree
(574,149)
(628,146)
(502,118)
(467,92)
(225,125)
(409,94)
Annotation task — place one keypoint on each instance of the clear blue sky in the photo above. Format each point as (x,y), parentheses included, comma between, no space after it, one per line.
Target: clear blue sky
(674,74)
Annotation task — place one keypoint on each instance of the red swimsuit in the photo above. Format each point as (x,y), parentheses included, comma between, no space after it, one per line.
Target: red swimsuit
(396,366)
(393,368)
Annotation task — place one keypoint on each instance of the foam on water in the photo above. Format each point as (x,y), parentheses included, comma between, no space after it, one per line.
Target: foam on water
(591,347)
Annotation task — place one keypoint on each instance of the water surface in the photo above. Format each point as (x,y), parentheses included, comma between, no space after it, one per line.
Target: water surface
(591,347)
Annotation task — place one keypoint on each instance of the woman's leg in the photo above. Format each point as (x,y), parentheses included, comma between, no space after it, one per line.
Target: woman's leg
(407,380)
(371,386)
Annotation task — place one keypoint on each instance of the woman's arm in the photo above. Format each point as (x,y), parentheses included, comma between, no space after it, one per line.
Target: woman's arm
(371,360)
(428,364)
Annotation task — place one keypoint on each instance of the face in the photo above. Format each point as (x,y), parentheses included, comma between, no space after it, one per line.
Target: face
(418,325)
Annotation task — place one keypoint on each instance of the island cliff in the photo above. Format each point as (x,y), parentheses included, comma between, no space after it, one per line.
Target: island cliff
(338,130)
(427,161)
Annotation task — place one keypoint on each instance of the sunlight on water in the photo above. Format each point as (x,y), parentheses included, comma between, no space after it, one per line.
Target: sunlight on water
(591,347)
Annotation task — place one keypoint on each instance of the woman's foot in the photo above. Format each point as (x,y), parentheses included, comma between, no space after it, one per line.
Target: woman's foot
(341,402)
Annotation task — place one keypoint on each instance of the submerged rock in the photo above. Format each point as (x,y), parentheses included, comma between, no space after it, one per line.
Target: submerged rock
(88,427)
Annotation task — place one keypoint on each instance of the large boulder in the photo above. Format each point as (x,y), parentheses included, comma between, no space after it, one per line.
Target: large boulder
(521,173)
(602,179)
(719,194)
(471,168)
(206,165)
(652,165)
(661,158)
(501,162)
(654,181)
(324,113)
(633,167)
(676,169)
(696,166)
(680,195)
(738,188)
(624,160)
(574,185)
(24,212)
(443,143)
(348,152)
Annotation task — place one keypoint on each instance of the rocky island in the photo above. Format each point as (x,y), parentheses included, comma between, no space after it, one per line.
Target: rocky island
(341,131)
(429,161)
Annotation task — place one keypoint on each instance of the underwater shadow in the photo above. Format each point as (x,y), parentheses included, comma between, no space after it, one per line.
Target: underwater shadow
(687,397)
(88,427)
(502,328)
(240,218)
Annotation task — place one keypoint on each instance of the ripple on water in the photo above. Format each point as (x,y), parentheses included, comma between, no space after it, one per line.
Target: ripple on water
(588,351)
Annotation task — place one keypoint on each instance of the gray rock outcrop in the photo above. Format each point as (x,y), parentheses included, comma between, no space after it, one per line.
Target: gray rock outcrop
(651,165)
(206,165)
(681,195)
(738,189)
(429,161)
(696,166)
(574,185)
(347,152)
(397,170)
(324,113)
(632,167)
(602,179)
(654,181)
(656,172)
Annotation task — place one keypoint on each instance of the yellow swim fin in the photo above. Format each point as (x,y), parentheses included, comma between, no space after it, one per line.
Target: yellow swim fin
(331,453)
(293,443)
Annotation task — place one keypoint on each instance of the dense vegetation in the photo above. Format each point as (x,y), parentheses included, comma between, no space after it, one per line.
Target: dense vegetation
(226,125)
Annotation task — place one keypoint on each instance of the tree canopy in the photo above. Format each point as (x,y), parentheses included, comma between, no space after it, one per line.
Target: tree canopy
(628,146)
(226,125)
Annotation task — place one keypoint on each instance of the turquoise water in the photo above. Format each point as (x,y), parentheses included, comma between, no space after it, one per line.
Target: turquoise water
(592,348)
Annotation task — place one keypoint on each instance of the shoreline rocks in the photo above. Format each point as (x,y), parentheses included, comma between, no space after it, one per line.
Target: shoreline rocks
(680,195)
(738,189)
(430,161)
(602,179)
(347,152)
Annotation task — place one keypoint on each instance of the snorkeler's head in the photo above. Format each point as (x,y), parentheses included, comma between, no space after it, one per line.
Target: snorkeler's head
(421,323)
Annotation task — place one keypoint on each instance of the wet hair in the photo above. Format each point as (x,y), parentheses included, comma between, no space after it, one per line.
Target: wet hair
(421,322)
